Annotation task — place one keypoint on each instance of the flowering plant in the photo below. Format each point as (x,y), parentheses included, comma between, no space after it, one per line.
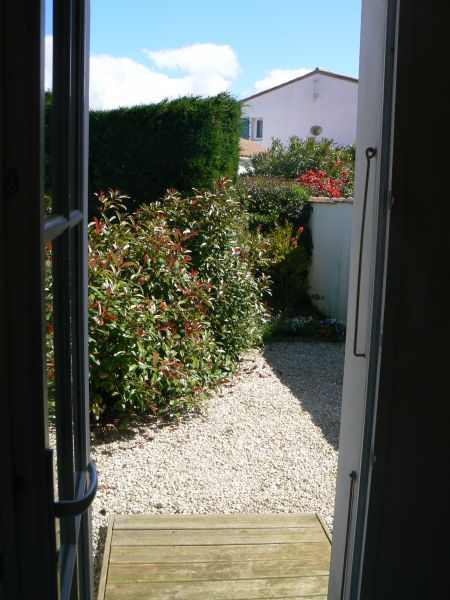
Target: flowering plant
(332,330)
(321,183)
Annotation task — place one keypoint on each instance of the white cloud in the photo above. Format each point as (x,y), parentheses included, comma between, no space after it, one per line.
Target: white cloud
(198,59)
(115,82)
(206,70)
(278,76)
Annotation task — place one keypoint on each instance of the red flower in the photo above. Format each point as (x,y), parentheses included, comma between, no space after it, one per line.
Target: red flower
(300,230)
(140,331)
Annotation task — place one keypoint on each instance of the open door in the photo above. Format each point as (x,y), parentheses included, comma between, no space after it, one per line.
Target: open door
(45,543)
(367,273)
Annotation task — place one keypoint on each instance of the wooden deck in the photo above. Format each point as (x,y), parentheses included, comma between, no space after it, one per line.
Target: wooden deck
(216,556)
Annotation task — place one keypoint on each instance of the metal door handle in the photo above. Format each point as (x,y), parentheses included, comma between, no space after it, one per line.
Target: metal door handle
(370,153)
(71,508)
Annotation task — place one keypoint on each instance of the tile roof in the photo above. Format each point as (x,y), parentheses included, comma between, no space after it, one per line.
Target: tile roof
(249,147)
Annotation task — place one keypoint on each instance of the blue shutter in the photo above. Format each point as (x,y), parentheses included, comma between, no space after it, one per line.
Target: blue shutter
(245,128)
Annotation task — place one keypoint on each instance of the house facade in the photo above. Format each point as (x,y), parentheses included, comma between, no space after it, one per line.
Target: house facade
(320,104)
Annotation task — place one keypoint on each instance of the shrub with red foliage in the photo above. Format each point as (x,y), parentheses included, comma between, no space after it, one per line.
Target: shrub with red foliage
(322,184)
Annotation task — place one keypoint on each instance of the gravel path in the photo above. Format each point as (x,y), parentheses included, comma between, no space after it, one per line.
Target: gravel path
(266,442)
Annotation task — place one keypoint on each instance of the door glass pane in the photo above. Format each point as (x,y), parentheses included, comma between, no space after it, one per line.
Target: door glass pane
(50,348)
(65,27)
(48,128)
(50,367)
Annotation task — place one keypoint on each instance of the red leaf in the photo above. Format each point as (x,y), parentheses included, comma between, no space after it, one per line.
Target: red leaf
(97,225)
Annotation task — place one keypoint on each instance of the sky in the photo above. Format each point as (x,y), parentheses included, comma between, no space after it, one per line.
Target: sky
(143,51)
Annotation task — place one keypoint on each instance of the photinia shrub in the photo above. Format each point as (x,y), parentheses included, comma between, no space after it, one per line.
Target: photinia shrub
(173,299)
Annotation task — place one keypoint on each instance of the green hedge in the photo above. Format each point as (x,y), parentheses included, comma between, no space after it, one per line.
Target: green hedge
(181,144)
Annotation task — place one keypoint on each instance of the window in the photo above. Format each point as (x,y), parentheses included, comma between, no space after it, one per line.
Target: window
(259,129)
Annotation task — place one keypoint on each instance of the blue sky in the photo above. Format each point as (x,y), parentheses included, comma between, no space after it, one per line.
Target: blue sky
(145,50)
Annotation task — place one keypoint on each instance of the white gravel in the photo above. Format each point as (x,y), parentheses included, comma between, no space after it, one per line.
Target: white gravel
(266,442)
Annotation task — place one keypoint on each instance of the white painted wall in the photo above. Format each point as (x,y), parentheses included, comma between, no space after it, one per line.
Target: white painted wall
(331,227)
(318,99)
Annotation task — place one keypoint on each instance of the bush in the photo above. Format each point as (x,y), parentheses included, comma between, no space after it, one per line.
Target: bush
(320,183)
(302,155)
(181,143)
(289,258)
(279,208)
(226,254)
(173,300)
(271,200)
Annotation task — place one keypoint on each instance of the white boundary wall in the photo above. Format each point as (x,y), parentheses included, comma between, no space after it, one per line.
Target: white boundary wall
(330,224)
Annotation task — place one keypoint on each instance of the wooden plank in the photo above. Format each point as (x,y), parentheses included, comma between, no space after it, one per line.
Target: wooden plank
(232,552)
(324,527)
(207,537)
(218,521)
(213,571)
(223,590)
(105,561)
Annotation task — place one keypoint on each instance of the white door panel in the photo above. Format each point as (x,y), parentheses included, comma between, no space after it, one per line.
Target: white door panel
(362,302)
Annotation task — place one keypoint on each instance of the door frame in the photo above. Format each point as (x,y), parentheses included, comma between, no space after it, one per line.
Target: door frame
(25,500)
(29,558)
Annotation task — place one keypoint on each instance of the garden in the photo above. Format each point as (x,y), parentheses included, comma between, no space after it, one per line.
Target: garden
(189,265)
(214,385)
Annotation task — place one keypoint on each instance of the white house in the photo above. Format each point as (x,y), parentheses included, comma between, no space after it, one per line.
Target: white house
(320,103)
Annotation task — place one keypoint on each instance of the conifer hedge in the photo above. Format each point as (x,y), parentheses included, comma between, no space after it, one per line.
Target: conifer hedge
(181,144)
